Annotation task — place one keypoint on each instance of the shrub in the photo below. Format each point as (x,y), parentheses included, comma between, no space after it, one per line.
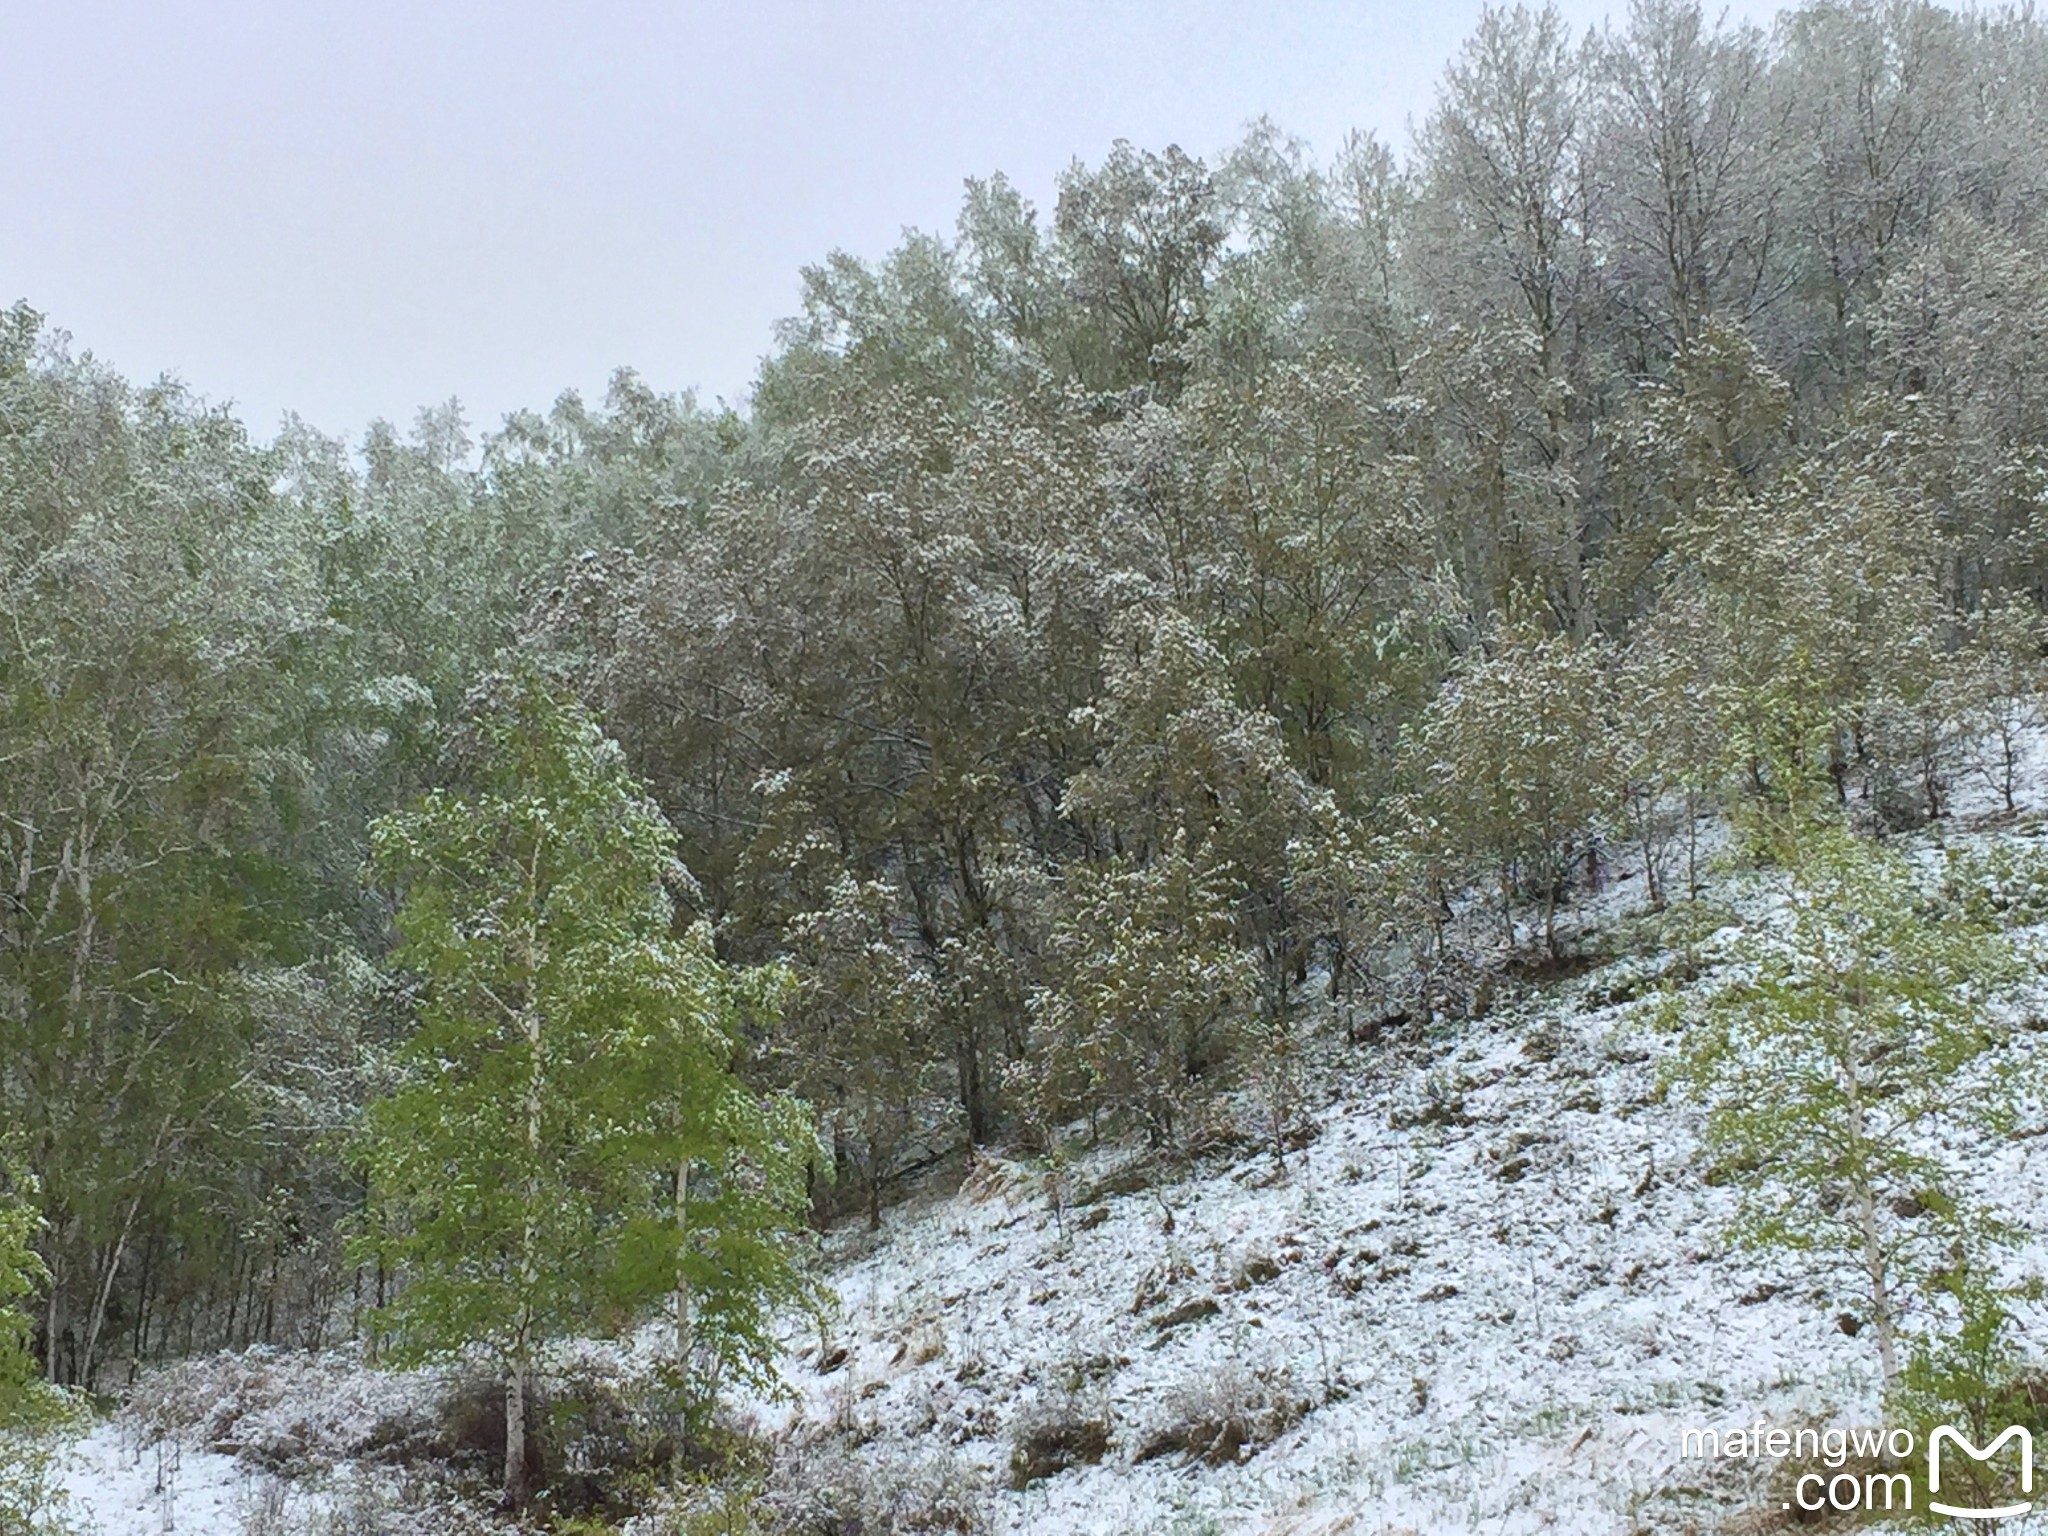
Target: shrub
(828,1490)
(1225,1415)
(1061,1429)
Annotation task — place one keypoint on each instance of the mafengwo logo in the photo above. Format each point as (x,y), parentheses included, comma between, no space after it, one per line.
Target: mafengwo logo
(1874,1486)
(1949,1435)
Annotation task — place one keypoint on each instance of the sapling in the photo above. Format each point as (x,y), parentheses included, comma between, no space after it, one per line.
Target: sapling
(1837,1050)
(566,1137)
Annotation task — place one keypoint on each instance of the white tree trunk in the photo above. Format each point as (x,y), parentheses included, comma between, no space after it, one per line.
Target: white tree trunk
(515,1435)
(1874,1267)
(683,1340)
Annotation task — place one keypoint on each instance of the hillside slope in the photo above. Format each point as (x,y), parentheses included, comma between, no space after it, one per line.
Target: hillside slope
(1494,1280)
(1488,1295)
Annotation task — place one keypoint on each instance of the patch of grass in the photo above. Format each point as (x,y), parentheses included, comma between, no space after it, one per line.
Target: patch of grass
(828,1490)
(1061,1429)
(1224,1416)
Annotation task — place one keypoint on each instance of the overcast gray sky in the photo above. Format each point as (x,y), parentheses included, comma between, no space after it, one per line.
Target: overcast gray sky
(354,210)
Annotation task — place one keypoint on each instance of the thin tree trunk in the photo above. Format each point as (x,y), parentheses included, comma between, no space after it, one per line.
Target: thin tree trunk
(270,1290)
(516,1479)
(1866,1219)
(106,1291)
(145,1306)
(517,1472)
(53,1318)
(381,1295)
(1880,1291)
(1873,1249)
(234,1296)
(683,1340)
(120,1250)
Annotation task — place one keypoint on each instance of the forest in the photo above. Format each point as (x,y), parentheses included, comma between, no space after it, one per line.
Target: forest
(477,885)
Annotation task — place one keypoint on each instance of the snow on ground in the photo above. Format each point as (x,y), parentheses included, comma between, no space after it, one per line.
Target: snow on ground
(267,1442)
(119,1482)
(1494,1279)
(1508,1315)
(1496,1273)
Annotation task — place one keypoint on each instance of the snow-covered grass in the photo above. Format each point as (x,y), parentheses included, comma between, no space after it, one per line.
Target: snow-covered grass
(124,1481)
(1493,1277)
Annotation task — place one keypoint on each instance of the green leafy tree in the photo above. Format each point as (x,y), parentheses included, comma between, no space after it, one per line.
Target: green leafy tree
(860,1029)
(1150,990)
(29,1503)
(1181,764)
(1844,1044)
(1316,526)
(1513,752)
(1139,236)
(21,1273)
(532,1171)
(157,618)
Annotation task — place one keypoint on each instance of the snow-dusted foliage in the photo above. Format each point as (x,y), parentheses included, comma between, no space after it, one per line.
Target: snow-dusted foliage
(1213,758)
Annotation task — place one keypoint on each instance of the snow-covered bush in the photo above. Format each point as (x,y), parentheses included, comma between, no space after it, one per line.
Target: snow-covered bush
(1057,1430)
(1224,1415)
(291,1411)
(825,1489)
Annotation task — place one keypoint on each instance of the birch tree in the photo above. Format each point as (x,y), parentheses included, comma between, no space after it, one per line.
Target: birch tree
(532,1170)
(1836,1061)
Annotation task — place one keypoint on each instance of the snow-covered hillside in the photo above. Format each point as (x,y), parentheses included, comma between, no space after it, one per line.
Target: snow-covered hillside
(1487,1296)
(1493,1278)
